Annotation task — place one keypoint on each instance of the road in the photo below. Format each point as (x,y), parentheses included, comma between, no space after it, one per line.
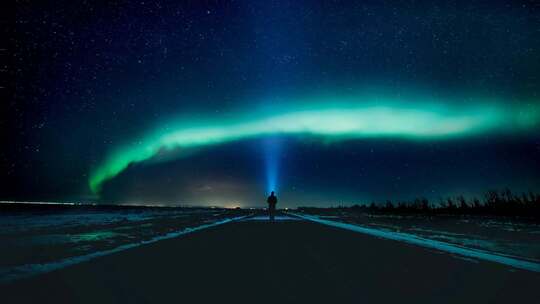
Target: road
(289,261)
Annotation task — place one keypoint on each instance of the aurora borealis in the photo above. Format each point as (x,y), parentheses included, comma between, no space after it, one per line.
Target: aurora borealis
(328,103)
(420,122)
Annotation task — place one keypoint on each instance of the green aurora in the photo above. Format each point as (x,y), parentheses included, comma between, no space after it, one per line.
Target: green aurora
(328,119)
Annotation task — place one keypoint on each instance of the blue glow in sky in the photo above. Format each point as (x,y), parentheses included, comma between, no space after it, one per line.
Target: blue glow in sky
(272,147)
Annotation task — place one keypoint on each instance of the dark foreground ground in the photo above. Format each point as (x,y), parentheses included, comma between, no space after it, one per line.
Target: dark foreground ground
(281,262)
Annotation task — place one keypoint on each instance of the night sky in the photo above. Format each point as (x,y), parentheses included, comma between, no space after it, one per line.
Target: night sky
(219,102)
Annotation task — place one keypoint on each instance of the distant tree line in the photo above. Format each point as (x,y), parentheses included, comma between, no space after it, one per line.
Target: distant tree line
(496,203)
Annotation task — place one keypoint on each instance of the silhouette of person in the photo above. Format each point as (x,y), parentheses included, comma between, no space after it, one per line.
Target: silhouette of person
(272,201)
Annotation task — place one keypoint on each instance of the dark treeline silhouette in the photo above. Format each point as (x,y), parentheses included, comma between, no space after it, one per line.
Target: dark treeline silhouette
(496,203)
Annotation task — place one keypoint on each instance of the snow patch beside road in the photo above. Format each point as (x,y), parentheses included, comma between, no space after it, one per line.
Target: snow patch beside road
(442,246)
(29,270)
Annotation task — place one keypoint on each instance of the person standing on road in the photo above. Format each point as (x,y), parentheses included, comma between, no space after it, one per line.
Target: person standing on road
(272,202)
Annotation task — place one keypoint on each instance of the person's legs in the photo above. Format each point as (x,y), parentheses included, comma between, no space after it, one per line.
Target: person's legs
(271,210)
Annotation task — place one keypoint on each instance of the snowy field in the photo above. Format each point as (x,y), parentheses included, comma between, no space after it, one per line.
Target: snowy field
(507,236)
(43,238)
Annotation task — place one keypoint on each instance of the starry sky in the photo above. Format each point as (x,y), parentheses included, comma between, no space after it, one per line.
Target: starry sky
(220,102)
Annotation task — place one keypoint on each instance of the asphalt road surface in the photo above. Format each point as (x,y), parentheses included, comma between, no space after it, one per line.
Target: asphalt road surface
(288,261)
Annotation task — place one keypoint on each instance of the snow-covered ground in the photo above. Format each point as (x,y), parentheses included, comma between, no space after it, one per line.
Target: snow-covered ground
(490,245)
(35,242)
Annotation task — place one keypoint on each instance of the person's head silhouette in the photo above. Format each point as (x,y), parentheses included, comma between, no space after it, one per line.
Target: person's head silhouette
(272,193)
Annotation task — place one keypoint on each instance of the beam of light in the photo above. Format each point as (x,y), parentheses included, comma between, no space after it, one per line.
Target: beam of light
(271,147)
(329,119)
